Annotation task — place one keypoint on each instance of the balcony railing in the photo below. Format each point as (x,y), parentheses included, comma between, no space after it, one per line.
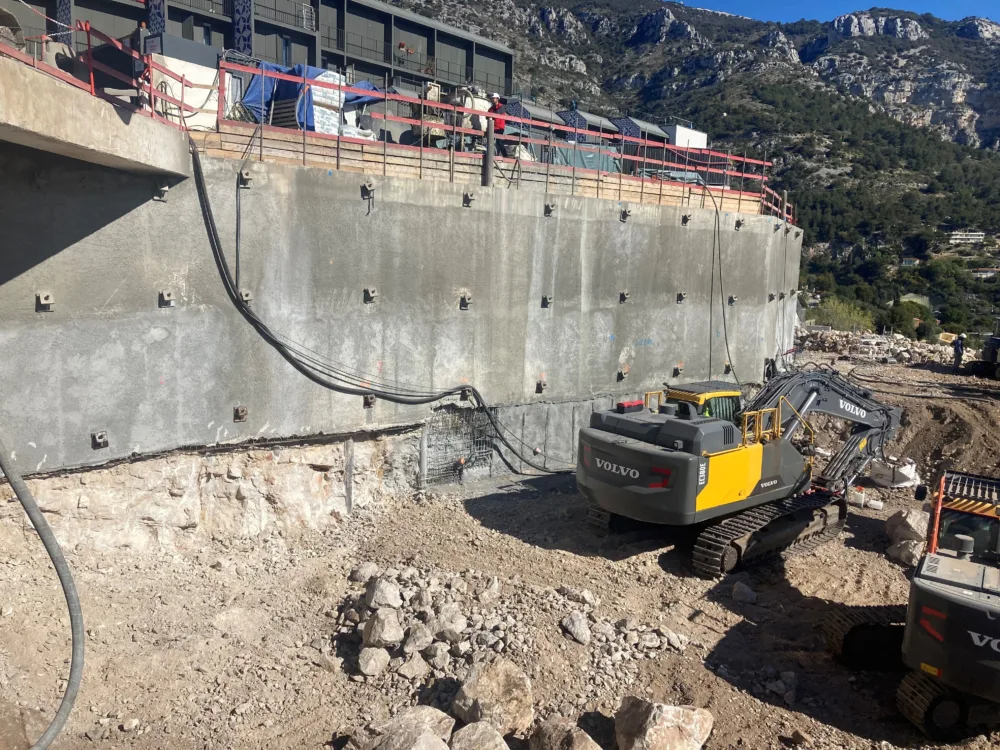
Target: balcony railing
(303,16)
(215,7)
(416,62)
(366,47)
(331,37)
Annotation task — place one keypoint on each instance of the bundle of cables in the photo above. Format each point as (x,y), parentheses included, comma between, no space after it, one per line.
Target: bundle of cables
(338,377)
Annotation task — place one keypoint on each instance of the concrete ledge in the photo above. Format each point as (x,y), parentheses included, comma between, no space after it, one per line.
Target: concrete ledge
(39,111)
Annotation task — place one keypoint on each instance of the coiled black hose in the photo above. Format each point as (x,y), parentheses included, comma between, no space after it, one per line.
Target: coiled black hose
(69,590)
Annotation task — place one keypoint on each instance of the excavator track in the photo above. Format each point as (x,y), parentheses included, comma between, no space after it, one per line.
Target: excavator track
(738,539)
(866,637)
(930,707)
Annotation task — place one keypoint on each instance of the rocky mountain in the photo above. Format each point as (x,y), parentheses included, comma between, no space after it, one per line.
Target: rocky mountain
(615,54)
(882,124)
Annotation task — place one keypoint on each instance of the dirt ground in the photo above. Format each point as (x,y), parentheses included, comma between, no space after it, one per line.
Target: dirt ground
(226,648)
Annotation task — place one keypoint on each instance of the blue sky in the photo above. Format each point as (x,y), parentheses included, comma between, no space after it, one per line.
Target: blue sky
(825,10)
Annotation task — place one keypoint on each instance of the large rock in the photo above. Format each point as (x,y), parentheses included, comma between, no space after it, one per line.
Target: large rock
(908,525)
(641,725)
(498,693)
(478,736)
(415,669)
(450,623)
(409,741)
(373,661)
(382,592)
(364,572)
(562,22)
(416,728)
(743,593)
(907,552)
(778,43)
(437,655)
(419,638)
(560,734)
(383,630)
(577,626)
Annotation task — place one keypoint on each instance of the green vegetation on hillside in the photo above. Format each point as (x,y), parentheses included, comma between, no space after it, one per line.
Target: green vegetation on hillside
(854,174)
(874,189)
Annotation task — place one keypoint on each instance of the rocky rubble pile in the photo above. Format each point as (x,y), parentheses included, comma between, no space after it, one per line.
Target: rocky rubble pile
(639,725)
(875,348)
(417,633)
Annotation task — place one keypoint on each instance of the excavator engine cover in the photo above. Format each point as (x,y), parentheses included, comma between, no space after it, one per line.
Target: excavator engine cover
(665,469)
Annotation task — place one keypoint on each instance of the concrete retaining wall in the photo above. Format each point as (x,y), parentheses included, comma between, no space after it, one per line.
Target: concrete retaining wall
(108,358)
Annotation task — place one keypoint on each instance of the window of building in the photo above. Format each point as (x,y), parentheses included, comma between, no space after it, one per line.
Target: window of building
(206,34)
(286,51)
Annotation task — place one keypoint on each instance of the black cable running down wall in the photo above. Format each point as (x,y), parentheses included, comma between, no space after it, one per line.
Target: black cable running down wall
(324,373)
(69,591)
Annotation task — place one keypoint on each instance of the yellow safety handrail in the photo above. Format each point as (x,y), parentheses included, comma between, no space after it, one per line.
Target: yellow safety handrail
(754,430)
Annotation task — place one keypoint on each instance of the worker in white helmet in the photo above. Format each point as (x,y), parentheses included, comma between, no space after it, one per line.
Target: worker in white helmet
(499,124)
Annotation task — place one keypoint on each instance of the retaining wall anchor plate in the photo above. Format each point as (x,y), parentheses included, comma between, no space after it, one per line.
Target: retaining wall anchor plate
(44,301)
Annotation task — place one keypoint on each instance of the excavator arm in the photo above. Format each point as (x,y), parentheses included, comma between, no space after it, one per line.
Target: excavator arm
(795,395)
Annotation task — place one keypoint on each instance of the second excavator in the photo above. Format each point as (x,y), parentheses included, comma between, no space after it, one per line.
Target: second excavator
(743,475)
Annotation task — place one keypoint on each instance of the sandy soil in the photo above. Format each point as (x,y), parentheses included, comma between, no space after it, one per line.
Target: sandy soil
(228,648)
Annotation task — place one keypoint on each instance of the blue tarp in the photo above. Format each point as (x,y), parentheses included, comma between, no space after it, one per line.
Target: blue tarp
(360,99)
(263,90)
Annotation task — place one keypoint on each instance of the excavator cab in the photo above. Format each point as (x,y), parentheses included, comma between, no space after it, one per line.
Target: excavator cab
(708,399)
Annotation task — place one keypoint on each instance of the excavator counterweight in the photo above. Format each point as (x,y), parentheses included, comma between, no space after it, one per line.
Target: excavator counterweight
(700,459)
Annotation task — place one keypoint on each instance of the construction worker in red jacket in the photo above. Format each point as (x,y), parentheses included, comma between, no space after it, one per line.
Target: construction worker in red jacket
(499,124)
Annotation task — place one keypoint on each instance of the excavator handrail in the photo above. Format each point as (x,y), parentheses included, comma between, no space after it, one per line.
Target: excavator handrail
(758,433)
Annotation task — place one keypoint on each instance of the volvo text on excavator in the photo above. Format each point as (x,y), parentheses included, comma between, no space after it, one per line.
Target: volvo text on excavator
(702,459)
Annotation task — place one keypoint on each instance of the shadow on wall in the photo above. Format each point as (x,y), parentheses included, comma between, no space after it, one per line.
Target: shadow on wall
(43,216)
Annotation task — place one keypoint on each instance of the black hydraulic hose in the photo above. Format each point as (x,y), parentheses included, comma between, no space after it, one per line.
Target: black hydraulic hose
(69,590)
(326,374)
(717,242)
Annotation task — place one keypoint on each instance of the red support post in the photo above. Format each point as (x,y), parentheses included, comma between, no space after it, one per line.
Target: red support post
(90,59)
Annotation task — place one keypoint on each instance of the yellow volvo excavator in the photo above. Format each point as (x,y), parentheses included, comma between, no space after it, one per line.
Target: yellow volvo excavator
(701,458)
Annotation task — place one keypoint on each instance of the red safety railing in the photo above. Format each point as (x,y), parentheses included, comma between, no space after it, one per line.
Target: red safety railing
(143,82)
(725,167)
(153,101)
(640,164)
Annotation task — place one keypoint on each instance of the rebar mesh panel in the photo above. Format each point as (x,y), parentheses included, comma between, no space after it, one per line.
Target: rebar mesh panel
(458,440)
